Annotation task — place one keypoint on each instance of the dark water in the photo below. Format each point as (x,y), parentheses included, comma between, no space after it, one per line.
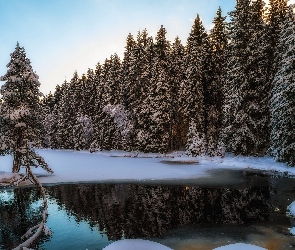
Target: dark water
(245,207)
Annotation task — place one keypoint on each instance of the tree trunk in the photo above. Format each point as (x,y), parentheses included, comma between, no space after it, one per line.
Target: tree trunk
(16,162)
(17,156)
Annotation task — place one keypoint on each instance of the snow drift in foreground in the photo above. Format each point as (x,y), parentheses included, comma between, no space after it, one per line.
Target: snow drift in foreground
(240,246)
(135,244)
(83,166)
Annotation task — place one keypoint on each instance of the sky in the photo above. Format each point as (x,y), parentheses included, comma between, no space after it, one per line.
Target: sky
(61,36)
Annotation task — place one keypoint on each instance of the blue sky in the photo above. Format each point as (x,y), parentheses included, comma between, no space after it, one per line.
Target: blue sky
(61,36)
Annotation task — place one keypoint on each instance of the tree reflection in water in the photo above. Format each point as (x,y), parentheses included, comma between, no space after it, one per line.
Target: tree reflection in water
(132,211)
(142,211)
(17,215)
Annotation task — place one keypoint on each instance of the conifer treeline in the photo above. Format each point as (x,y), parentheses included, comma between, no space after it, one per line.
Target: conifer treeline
(230,89)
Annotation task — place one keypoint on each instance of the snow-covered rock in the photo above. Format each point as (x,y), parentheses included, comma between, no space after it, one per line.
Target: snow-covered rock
(135,244)
(8,178)
(291,209)
(240,246)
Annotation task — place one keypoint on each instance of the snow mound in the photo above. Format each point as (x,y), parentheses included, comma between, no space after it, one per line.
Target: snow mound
(291,209)
(8,178)
(135,244)
(292,231)
(240,246)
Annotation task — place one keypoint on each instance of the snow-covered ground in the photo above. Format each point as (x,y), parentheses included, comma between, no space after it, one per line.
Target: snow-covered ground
(82,166)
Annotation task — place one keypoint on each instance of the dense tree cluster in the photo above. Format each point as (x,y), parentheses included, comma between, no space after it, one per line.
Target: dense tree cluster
(160,97)
(230,89)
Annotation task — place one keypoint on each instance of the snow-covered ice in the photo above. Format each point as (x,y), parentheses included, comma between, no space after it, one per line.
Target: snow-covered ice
(135,244)
(240,246)
(83,166)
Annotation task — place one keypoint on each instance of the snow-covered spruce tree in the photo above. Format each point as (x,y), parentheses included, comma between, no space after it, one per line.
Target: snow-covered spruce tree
(20,112)
(159,95)
(246,87)
(90,94)
(21,126)
(130,91)
(56,134)
(282,104)
(236,55)
(73,104)
(177,76)
(142,109)
(96,97)
(47,108)
(53,118)
(67,112)
(256,99)
(213,88)
(82,128)
(192,92)
(275,16)
(111,82)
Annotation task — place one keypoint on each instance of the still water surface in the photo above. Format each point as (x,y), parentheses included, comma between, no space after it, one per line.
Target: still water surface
(193,215)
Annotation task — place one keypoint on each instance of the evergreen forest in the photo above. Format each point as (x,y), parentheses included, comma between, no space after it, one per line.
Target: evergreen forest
(230,89)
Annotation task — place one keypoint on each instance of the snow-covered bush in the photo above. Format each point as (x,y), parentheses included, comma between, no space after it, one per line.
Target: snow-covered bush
(121,118)
(83,131)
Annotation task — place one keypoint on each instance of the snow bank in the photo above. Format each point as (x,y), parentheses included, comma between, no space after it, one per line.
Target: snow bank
(291,209)
(135,244)
(240,246)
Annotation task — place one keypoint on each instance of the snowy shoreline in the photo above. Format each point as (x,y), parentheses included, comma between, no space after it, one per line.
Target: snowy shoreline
(118,166)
